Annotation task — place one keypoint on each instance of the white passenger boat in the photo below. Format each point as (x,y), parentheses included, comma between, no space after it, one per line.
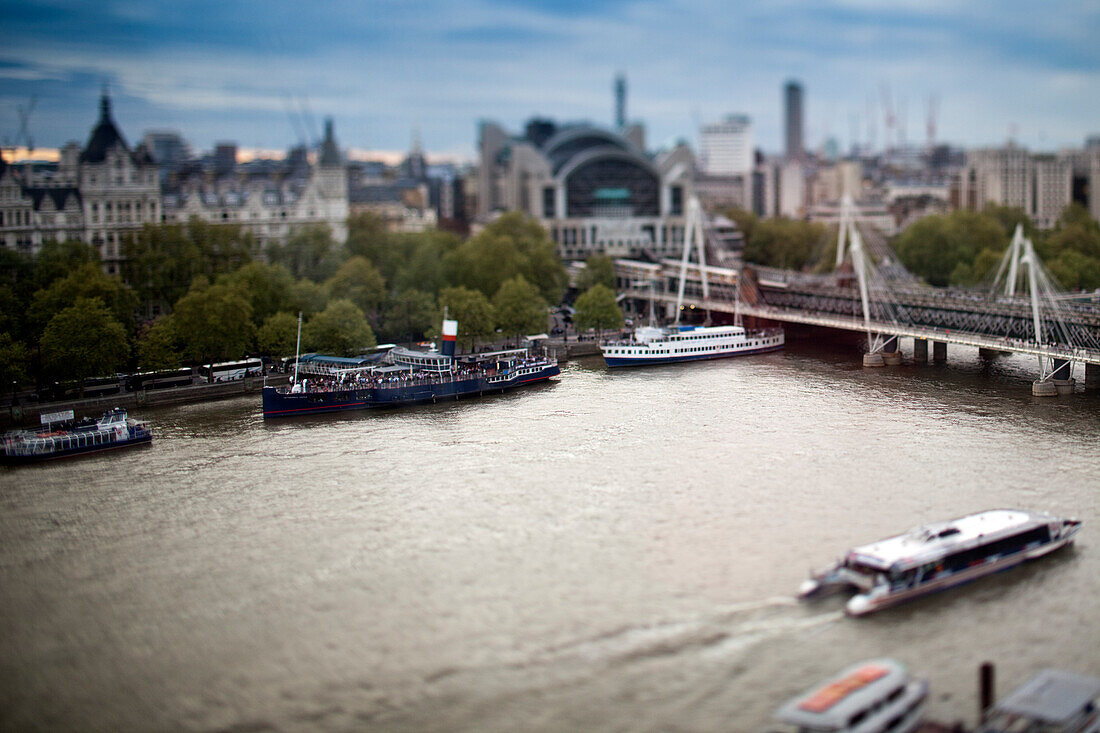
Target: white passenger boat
(650,345)
(938,556)
(878,696)
(1053,701)
(61,436)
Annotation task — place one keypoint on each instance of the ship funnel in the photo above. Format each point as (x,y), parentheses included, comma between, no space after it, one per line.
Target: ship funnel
(450,333)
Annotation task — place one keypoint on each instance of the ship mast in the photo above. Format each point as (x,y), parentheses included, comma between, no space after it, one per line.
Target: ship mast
(298,347)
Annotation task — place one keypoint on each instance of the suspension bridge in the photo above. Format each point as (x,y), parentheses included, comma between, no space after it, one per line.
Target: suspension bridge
(1022,310)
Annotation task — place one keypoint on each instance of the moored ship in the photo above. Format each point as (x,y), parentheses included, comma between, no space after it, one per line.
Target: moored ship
(407,377)
(937,556)
(650,345)
(869,697)
(61,436)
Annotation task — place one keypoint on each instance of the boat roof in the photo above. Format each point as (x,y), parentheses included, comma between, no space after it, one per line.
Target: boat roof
(832,704)
(400,352)
(1052,696)
(485,355)
(932,541)
(653,333)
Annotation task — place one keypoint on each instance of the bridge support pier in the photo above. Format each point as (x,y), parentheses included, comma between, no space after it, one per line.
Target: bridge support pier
(939,351)
(1043,389)
(873,359)
(891,356)
(1062,376)
(920,350)
(989,353)
(1092,376)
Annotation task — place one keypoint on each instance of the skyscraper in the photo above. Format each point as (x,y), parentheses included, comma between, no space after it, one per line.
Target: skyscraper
(793,113)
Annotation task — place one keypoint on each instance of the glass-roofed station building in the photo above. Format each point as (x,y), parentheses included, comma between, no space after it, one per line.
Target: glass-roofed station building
(595,190)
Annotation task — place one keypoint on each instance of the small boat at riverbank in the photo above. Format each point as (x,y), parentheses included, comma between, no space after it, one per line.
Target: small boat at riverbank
(1053,701)
(938,556)
(408,377)
(67,437)
(869,697)
(651,345)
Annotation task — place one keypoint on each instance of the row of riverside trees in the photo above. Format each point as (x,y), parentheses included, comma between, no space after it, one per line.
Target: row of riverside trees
(960,249)
(216,297)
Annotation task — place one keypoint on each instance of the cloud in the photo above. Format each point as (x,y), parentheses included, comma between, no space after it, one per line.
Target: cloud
(222,70)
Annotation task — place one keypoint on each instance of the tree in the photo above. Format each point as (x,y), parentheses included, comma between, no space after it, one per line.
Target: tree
(596,308)
(1072,250)
(13,362)
(368,238)
(213,322)
(83,340)
(598,270)
(473,312)
(339,329)
(512,245)
(519,308)
(934,246)
(408,315)
(279,335)
(309,253)
(157,347)
(84,281)
(269,288)
(746,221)
(422,260)
(160,260)
(57,259)
(784,243)
(360,282)
(1009,217)
(307,297)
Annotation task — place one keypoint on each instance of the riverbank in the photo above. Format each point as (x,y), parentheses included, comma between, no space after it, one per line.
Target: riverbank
(27,414)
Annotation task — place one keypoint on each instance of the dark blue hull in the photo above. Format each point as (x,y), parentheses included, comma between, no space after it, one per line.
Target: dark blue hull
(619,361)
(19,459)
(281,404)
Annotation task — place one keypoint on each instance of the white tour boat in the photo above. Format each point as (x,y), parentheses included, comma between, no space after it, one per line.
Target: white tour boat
(938,556)
(878,696)
(652,345)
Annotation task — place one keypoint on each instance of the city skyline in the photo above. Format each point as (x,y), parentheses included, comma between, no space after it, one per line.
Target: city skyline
(230,72)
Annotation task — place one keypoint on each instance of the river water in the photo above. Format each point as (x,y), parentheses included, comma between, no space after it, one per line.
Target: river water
(610,552)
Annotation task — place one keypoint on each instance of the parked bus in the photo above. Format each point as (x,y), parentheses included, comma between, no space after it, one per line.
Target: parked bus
(229,371)
(161,379)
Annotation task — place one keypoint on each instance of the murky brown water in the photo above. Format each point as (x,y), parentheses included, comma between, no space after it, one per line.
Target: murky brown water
(615,551)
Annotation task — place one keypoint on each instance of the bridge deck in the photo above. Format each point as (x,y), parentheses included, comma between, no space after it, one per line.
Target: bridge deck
(854,323)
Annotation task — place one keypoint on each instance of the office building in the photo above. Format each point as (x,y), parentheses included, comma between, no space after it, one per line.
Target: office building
(726,147)
(792,115)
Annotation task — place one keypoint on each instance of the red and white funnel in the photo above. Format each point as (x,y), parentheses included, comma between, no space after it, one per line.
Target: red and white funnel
(450,333)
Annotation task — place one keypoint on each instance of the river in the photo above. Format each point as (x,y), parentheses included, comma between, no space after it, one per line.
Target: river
(614,551)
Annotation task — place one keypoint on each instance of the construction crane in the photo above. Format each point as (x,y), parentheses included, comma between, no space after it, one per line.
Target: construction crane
(23,138)
(933,110)
(889,117)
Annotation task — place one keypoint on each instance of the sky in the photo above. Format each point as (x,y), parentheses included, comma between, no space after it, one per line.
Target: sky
(266,74)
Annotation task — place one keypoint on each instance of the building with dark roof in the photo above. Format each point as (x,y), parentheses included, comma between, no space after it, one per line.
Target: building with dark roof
(96,194)
(595,190)
(270,206)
